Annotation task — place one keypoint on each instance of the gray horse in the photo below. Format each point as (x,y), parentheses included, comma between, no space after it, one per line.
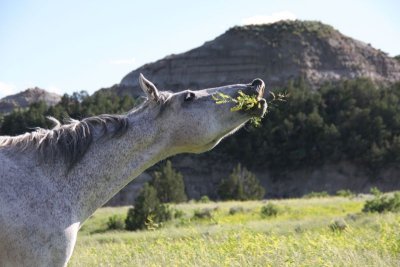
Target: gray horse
(51,181)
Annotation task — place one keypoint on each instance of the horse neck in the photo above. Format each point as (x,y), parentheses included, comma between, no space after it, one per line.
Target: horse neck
(110,165)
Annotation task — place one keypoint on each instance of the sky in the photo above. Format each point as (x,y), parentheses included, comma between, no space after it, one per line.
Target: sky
(74,45)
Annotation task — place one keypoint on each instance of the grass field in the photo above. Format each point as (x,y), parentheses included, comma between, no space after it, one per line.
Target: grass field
(300,235)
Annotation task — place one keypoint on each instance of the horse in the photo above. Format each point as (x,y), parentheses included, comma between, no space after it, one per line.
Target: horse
(52,180)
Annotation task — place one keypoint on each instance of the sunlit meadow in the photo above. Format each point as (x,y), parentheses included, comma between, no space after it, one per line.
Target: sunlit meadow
(301,234)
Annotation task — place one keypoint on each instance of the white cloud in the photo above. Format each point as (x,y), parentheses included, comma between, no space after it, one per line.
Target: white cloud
(7,89)
(267,19)
(125,61)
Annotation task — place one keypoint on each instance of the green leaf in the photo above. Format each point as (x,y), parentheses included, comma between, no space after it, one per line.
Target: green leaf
(246,102)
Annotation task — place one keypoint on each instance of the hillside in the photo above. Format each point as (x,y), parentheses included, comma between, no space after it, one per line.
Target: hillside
(274,52)
(277,53)
(27,97)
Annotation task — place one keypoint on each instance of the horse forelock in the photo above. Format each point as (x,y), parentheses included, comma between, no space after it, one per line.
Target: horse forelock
(69,141)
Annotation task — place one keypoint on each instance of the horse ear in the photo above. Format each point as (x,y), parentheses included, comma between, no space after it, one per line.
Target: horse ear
(149,88)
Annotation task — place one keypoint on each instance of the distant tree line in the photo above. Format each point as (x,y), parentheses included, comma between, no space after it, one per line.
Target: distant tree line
(77,106)
(352,120)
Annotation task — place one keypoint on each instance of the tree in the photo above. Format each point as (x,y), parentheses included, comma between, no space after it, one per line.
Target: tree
(147,207)
(20,121)
(241,185)
(169,184)
(78,105)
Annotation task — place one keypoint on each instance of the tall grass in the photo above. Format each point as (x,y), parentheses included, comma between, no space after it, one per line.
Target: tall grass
(300,235)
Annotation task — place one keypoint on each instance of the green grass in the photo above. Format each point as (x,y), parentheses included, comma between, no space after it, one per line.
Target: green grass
(298,236)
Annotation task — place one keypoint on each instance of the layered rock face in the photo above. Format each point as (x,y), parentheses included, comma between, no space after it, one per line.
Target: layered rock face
(27,97)
(276,53)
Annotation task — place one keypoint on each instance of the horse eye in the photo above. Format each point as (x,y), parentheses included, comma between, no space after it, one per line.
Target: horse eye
(189,96)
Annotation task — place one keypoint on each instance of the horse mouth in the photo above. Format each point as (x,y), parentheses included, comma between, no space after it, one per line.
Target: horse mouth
(260,108)
(260,88)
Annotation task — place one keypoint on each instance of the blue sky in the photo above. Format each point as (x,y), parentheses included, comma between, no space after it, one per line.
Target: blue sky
(67,46)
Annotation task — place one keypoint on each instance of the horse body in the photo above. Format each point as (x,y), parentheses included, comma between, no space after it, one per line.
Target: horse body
(35,225)
(51,181)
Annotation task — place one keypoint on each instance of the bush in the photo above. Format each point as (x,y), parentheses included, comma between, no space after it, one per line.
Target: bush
(338,225)
(204,199)
(375,191)
(241,185)
(299,229)
(147,210)
(345,193)
(205,213)
(163,213)
(115,223)
(354,216)
(202,214)
(178,213)
(316,194)
(169,184)
(234,210)
(382,203)
(269,210)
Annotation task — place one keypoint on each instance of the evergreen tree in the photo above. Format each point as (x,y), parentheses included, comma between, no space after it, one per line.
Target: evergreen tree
(147,207)
(241,185)
(78,105)
(169,184)
(145,204)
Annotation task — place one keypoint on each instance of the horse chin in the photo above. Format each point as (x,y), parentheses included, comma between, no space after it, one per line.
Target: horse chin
(234,130)
(217,140)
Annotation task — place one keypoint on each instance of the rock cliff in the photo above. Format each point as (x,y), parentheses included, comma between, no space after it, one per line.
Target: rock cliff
(274,52)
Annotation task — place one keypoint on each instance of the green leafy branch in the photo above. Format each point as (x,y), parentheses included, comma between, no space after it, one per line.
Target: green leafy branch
(246,102)
(278,97)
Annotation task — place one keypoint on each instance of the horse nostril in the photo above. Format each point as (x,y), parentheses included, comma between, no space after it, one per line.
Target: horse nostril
(259,86)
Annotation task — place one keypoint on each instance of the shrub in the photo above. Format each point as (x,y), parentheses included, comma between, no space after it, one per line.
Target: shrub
(205,213)
(234,210)
(382,203)
(115,223)
(269,210)
(147,207)
(345,193)
(178,213)
(316,194)
(163,213)
(241,185)
(338,225)
(375,191)
(204,199)
(354,216)
(169,184)
(298,229)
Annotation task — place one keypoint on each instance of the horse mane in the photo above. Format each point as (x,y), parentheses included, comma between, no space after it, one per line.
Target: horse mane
(69,141)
